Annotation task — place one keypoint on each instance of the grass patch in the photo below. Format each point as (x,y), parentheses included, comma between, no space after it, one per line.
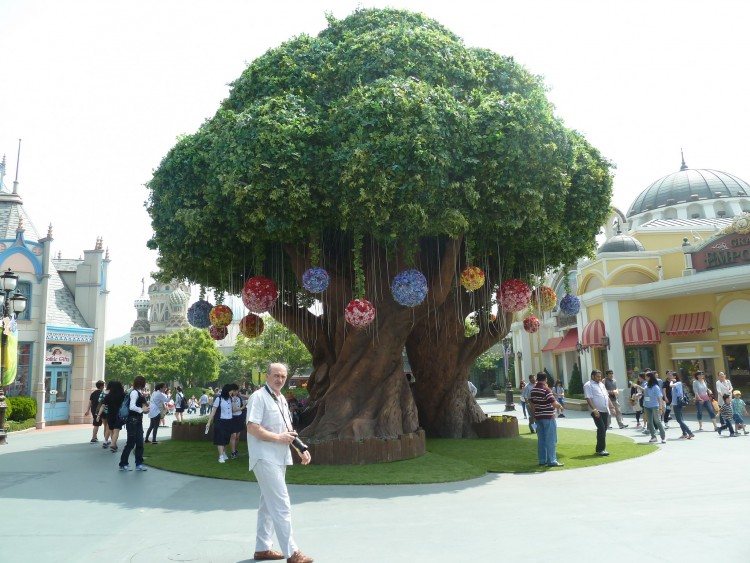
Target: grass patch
(14,426)
(445,460)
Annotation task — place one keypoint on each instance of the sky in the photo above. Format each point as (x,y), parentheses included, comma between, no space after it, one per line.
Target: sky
(99,91)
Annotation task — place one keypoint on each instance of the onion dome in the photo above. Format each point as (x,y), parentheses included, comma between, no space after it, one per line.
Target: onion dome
(178,297)
(621,243)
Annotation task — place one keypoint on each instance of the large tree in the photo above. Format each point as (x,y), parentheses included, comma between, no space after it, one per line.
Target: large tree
(188,356)
(382,144)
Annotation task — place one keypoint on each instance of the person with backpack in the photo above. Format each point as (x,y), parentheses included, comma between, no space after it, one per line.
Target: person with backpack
(92,410)
(180,404)
(221,415)
(136,405)
(238,420)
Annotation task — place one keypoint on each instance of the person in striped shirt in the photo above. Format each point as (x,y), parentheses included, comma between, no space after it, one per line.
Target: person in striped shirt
(545,406)
(725,412)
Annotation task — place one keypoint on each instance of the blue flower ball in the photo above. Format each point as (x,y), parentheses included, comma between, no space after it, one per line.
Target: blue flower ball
(198,314)
(315,280)
(570,305)
(409,288)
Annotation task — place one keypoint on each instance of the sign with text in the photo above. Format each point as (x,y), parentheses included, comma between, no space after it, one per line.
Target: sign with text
(725,252)
(58,356)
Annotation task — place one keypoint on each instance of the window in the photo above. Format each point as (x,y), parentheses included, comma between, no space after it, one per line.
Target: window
(21,386)
(638,359)
(25,289)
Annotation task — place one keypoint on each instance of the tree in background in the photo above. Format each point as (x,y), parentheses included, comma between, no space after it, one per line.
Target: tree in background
(575,385)
(383,144)
(188,356)
(122,363)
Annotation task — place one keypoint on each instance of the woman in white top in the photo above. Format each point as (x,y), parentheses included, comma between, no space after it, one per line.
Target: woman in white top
(221,414)
(723,387)
(702,399)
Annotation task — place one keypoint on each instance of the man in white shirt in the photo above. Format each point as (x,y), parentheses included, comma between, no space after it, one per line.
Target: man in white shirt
(601,407)
(269,434)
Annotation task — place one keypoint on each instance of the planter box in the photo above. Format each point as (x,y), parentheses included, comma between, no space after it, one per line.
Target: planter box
(196,432)
(497,427)
(576,404)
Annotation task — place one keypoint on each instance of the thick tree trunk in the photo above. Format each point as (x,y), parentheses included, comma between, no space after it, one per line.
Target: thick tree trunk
(367,394)
(440,357)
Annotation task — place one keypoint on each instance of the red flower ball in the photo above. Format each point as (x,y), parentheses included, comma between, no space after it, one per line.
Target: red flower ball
(514,295)
(251,326)
(531,324)
(259,294)
(220,316)
(218,332)
(359,313)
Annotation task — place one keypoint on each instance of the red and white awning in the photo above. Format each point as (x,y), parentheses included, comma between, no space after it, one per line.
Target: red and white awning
(688,323)
(592,334)
(552,344)
(640,330)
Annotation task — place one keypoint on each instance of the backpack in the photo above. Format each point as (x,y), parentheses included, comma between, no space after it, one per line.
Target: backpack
(124,407)
(183,401)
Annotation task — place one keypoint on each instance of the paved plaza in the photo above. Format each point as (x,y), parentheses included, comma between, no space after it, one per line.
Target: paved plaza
(63,500)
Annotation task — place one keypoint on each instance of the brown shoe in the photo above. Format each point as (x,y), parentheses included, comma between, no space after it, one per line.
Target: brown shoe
(299,557)
(267,555)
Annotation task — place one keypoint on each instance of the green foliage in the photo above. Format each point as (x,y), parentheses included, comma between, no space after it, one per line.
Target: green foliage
(575,385)
(122,363)
(252,355)
(385,124)
(470,327)
(20,408)
(189,356)
(14,426)
(489,361)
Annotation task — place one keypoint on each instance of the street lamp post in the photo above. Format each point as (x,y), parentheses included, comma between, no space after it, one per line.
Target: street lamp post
(507,351)
(11,305)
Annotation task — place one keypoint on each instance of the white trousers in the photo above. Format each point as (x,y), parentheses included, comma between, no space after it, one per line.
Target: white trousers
(275,510)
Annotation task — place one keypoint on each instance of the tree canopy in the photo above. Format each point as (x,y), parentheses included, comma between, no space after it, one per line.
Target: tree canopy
(382,144)
(122,363)
(188,355)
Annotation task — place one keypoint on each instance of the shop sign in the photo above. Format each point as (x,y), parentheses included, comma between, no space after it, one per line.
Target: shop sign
(58,356)
(725,252)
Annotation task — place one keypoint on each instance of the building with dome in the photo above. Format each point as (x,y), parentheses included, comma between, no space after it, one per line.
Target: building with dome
(60,335)
(669,288)
(162,311)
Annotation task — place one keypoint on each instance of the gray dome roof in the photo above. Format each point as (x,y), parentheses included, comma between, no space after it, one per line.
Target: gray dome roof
(688,185)
(621,243)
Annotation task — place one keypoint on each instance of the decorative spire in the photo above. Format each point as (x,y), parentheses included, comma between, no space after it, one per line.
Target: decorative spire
(49,231)
(106,254)
(20,224)
(18,162)
(684,166)
(99,245)
(143,287)
(59,254)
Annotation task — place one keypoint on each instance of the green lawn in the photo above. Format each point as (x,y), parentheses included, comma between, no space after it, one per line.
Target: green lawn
(445,460)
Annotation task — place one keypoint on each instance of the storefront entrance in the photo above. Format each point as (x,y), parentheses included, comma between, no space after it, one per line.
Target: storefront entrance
(56,397)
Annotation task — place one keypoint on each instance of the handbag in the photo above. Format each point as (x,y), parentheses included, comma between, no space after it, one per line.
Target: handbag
(684,400)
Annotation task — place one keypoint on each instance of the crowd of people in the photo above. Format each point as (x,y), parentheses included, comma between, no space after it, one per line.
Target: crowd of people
(653,399)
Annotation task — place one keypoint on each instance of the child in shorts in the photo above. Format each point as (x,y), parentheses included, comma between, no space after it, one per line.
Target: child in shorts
(738,409)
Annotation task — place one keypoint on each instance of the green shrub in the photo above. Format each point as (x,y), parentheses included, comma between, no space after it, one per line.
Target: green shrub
(575,385)
(20,408)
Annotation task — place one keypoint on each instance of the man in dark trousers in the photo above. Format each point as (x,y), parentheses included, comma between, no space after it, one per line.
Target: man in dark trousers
(598,399)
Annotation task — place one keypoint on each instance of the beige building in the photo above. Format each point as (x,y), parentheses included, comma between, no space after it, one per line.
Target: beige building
(668,289)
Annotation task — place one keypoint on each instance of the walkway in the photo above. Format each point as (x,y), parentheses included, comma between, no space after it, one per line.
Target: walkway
(63,500)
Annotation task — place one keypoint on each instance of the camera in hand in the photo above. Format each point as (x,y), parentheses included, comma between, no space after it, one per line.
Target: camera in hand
(299,445)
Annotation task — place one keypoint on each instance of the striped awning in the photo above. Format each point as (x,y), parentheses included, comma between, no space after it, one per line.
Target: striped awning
(552,343)
(640,330)
(688,323)
(592,334)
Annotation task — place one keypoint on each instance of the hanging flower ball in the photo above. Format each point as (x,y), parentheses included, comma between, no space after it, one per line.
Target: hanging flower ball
(514,295)
(531,324)
(251,326)
(198,314)
(315,280)
(359,313)
(259,294)
(545,298)
(472,278)
(218,332)
(570,305)
(409,288)
(220,316)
